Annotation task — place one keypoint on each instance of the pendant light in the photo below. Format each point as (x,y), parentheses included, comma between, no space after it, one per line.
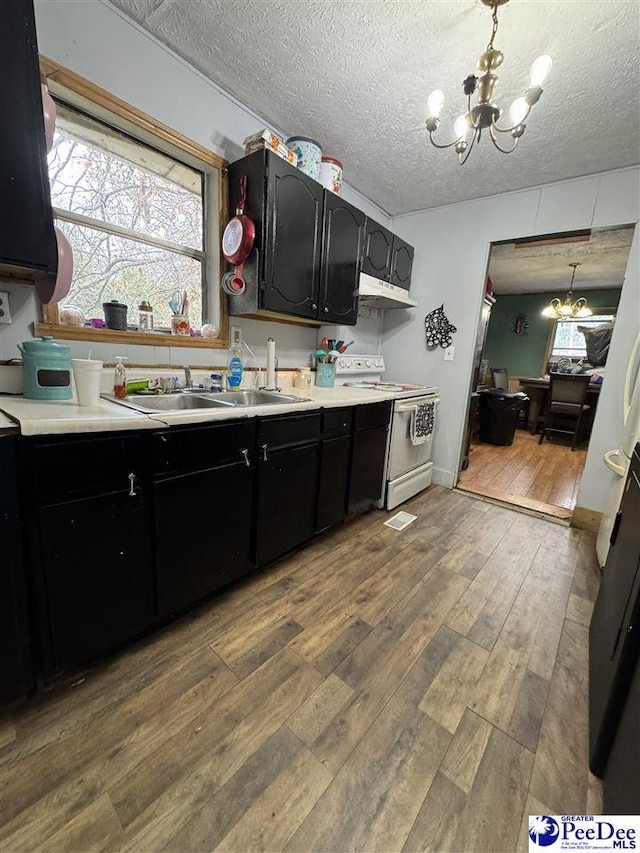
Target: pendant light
(568,310)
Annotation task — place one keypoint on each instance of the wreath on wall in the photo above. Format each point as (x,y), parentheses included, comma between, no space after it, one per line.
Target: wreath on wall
(438,329)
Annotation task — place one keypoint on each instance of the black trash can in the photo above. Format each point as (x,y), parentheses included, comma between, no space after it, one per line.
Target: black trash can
(499,414)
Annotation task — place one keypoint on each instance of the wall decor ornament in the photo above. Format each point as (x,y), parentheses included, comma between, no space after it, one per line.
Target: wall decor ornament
(520,324)
(438,329)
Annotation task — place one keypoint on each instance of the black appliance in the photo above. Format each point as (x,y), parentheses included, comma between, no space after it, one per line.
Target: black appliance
(614,651)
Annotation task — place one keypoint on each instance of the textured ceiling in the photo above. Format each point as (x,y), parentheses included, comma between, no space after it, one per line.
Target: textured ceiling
(530,268)
(356,76)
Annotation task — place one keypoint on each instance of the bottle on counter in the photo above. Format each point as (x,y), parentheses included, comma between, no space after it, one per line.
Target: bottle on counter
(120,378)
(235,370)
(145,317)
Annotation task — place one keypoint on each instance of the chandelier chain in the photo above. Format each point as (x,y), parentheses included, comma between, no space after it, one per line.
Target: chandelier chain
(495,25)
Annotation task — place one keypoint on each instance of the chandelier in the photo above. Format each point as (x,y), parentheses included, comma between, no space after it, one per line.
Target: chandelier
(568,310)
(486,114)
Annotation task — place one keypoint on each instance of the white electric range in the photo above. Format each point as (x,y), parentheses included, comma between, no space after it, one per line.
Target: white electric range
(409,468)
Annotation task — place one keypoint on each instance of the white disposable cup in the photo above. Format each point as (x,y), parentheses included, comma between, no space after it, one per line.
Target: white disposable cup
(87,374)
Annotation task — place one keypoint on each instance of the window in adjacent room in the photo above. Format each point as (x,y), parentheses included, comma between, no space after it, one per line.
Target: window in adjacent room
(569,342)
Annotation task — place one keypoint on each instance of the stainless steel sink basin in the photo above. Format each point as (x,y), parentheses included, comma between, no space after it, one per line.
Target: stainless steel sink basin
(149,404)
(255,398)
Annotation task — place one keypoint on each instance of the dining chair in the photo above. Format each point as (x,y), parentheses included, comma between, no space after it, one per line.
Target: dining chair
(500,378)
(567,395)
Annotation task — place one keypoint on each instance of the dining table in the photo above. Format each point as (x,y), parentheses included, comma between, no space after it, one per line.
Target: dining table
(537,389)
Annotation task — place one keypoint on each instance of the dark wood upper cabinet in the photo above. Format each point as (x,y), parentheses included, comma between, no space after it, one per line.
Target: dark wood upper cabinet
(401,263)
(340,270)
(308,248)
(27,238)
(376,256)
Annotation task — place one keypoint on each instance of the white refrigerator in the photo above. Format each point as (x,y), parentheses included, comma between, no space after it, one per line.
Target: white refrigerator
(619,459)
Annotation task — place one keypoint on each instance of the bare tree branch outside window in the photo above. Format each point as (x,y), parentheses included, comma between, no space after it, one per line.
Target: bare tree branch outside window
(99,175)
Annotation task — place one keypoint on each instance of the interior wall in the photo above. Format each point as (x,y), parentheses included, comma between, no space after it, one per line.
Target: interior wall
(524,355)
(452,250)
(96,41)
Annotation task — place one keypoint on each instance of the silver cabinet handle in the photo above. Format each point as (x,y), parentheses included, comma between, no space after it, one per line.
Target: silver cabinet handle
(245,454)
(314,306)
(326,310)
(132,485)
(263,448)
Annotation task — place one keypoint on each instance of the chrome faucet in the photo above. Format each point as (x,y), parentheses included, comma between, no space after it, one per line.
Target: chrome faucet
(188,382)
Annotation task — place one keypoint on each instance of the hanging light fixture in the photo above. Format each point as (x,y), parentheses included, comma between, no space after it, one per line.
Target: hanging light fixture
(485,114)
(568,310)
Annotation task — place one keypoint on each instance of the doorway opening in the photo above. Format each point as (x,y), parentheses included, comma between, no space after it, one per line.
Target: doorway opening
(536,379)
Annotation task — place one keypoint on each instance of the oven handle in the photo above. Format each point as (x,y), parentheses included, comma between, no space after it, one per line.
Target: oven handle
(413,405)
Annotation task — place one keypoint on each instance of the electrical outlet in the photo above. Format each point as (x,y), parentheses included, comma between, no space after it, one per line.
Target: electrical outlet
(449,352)
(5,308)
(236,337)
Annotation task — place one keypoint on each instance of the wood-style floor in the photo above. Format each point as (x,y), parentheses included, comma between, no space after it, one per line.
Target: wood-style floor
(379,691)
(542,477)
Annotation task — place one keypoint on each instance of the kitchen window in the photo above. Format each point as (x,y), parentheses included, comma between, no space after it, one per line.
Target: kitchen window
(140,206)
(569,342)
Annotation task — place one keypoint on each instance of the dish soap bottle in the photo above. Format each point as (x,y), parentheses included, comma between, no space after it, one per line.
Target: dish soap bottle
(235,370)
(120,378)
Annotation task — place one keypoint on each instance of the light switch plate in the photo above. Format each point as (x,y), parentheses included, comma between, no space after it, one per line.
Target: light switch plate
(449,352)
(235,333)
(5,308)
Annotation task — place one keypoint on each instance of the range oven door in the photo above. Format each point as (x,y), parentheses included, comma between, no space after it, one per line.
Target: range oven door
(403,455)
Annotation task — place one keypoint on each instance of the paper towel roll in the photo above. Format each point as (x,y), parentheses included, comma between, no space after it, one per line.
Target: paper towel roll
(271,364)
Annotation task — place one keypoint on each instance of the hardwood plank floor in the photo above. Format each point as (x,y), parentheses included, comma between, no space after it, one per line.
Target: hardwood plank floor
(380,690)
(542,477)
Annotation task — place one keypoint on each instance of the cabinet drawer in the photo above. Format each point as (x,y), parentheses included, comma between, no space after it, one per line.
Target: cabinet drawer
(373,415)
(289,430)
(198,448)
(86,465)
(336,422)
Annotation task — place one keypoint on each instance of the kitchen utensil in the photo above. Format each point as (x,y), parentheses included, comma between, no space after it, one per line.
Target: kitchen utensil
(344,347)
(333,354)
(320,354)
(55,288)
(238,237)
(46,369)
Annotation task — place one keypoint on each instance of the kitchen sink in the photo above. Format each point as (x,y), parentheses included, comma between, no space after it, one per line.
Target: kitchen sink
(149,404)
(255,398)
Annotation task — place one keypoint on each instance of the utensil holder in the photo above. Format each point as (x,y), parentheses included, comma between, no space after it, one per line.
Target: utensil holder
(180,324)
(325,375)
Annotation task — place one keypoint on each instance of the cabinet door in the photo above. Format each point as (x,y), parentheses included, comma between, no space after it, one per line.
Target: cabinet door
(342,249)
(98,573)
(27,240)
(376,256)
(286,501)
(202,532)
(367,467)
(293,241)
(332,482)
(16,677)
(401,263)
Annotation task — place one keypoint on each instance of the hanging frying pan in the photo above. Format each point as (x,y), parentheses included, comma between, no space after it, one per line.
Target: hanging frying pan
(238,237)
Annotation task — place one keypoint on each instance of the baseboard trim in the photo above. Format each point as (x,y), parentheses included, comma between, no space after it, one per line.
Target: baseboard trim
(586,519)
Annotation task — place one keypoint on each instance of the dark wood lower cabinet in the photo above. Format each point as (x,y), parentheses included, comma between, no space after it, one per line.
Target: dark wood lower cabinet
(98,574)
(202,532)
(367,467)
(333,480)
(286,501)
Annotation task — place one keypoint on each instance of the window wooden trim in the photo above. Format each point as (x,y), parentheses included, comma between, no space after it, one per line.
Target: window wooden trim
(103,105)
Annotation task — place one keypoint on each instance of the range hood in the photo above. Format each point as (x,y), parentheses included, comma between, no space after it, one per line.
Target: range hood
(383,294)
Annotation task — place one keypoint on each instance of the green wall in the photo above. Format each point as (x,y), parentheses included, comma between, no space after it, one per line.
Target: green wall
(522,355)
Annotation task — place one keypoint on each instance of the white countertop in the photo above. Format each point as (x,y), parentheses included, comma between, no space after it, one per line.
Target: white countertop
(40,417)
(7,425)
